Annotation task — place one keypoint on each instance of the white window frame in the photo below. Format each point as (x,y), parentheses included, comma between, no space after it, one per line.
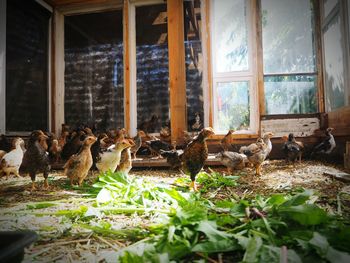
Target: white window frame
(132,56)
(238,76)
(3,17)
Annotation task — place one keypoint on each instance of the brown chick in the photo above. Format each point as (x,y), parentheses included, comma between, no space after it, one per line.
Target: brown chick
(55,150)
(187,137)
(165,133)
(292,149)
(36,159)
(125,163)
(2,153)
(256,154)
(78,165)
(137,143)
(195,154)
(227,141)
(150,125)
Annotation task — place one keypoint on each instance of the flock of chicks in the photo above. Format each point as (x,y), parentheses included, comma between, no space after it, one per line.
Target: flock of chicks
(82,150)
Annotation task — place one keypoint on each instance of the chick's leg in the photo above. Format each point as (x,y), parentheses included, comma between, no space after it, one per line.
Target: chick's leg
(46,182)
(32,177)
(193,183)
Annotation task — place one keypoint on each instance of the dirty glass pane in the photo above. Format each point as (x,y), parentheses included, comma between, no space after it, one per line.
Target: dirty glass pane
(194,63)
(230,45)
(152,72)
(288,37)
(334,65)
(94,88)
(328,6)
(290,94)
(26,66)
(232,109)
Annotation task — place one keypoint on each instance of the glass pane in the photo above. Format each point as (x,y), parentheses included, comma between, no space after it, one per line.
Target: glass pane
(94,88)
(26,66)
(232,106)
(334,65)
(194,63)
(328,6)
(290,94)
(288,44)
(152,66)
(231,35)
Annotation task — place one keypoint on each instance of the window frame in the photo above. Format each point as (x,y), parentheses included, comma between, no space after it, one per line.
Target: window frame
(238,76)
(3,18)
(341,9)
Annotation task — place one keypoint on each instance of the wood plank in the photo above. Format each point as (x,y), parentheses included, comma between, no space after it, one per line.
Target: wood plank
(126,65)
(260,62)
(57,3)
(177,71)
(319,61)
(53,75)
(209,62)
(340,121)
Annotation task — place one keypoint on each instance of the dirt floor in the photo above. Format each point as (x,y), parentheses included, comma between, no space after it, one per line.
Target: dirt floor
(62,240)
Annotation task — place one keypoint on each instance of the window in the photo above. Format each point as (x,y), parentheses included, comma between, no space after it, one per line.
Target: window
(94,86)
(335,54)
(290,73)
(152,73)
(233,81)
(27,47)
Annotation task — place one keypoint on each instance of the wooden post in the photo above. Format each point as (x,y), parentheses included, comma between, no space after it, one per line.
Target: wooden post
(126,66)
(177,71)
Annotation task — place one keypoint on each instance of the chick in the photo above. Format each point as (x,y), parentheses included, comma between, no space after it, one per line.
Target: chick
(137,143)
(232,160)
(55,151)
(78,165)
(227,141)
(327,145)
(125,163)
(197,124)
(110,159)
(150,125)
(36,159)
(292,149)
(195,154)
(173,157)
(73,145)
(256,154)
(2,153)
(63,139)
(165,133)
(11,162)
(96,148)
(156,145)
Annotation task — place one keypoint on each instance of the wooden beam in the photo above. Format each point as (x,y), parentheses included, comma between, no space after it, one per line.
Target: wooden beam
(126,51)
(53,75)
(319,59)
(177,71)
(209,62)
(260,62)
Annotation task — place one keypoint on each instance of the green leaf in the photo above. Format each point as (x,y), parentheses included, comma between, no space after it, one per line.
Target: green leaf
(276,199)
(308,214)
(104,196)
(224,245)
(299,199)
(253,246)
(210,230)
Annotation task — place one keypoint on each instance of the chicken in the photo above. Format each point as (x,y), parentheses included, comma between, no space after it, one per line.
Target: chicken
(165,133)
(125,163)
(187,137)
(5,144)
(292,149)
(78,165)
(110,159)
(195,154)
(232,160)
(97,148)
(150,125)
(227,141)
(197,124)
(256,154)
(156,145)
(173,157)
(327,145)
(73,145)
(137,143)
(55,151)
(11,162)
(63,139)
(36,159)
